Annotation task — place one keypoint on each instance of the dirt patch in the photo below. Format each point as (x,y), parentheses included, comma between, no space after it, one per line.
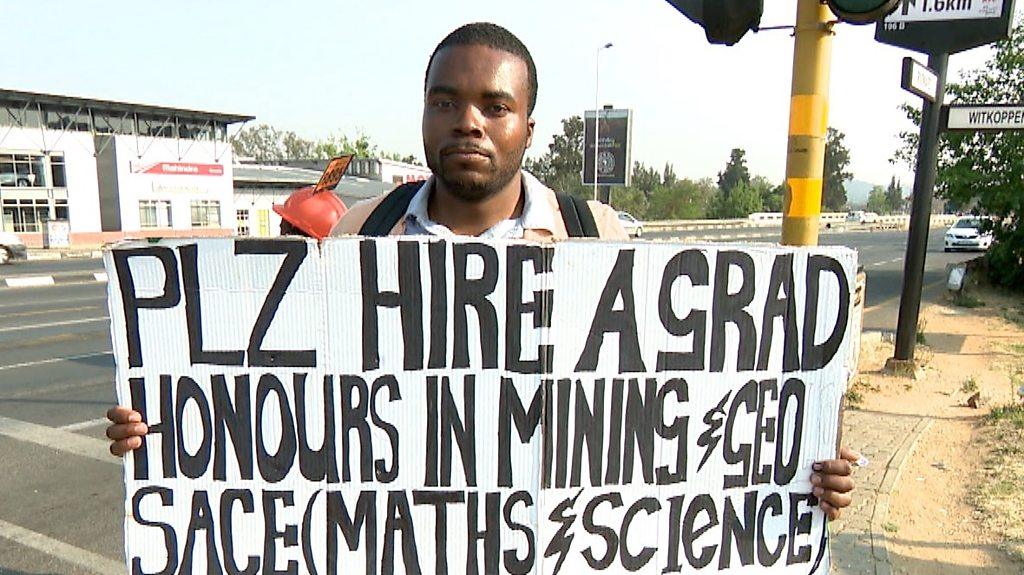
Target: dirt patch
(956,508)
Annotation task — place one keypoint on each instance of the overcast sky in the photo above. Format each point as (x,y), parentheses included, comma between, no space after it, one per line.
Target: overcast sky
(341,66)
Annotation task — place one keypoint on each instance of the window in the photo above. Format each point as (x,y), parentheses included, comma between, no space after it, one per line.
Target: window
(205,214)
(31,215)
(32,171)
(154,214)
(242,222)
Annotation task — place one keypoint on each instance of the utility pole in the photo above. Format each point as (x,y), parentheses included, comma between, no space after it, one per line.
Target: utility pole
(808,122)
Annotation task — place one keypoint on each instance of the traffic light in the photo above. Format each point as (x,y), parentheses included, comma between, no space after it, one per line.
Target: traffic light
(724,21)
(862,11)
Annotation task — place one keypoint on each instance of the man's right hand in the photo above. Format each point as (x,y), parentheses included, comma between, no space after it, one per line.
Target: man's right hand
(126,430)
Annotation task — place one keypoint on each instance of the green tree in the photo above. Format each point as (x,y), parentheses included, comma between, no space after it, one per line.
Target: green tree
(669,175)
(837,160)
(645,179)
(742,201)
(894,196)
(772,201)
(765,191)
(986,169)
(262,142)
(735,173)
(684,200)
(562,166)
(877,201)
(630,199)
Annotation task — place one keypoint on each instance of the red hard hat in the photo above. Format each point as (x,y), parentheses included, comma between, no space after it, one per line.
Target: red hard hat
(315,213)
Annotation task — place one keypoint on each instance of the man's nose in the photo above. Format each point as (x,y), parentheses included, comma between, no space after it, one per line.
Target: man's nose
(469,122)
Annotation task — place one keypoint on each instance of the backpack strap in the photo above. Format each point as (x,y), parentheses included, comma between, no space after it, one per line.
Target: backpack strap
(577,216)
(391,209)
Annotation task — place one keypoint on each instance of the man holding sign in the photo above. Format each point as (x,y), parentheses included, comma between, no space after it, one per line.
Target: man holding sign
(479,94)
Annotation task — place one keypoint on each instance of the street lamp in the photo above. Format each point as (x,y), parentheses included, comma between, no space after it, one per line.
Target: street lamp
(597,109)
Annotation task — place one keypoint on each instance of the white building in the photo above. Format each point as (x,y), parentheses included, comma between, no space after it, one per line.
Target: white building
(113,169)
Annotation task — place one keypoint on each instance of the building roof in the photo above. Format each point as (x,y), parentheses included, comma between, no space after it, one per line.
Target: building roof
(260,176)
(52,100)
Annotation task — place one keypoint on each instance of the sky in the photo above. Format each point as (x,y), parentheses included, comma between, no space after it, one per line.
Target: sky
(330,67)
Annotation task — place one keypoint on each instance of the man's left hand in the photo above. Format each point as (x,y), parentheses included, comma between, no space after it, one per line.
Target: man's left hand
(831,482)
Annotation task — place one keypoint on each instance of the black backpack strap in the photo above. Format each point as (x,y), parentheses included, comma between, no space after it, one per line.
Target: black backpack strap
(577,216)
(391,209)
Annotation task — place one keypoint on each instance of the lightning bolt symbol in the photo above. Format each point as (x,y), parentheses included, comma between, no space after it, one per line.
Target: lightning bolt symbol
(562,539)
(710,438)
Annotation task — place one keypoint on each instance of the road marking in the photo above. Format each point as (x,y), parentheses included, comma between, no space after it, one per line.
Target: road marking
(59,301)
(30,281)
(55,324)
(57,439)
(63,551)
(100,276)
(53,360)
(84,424)
(52,311)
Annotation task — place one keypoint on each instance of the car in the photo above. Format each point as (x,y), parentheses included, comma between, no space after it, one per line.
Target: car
(633,226)
(862,217)
(11,248)
(968,233)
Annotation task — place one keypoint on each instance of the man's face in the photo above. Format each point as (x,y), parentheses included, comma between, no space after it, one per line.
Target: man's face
(476,123)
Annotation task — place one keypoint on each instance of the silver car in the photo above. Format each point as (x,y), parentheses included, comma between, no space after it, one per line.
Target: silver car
(633,226)
(968,233)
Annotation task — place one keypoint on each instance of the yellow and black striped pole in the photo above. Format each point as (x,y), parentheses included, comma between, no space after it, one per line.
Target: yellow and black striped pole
(808,121)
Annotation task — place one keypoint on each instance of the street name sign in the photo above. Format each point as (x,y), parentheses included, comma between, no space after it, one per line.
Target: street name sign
(919,79)
(984,117)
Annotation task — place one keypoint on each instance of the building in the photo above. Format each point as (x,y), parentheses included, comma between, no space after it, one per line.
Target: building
(258,187)
(389,171)
(112,169)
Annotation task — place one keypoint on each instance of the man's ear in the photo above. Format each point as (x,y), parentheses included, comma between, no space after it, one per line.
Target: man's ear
(530,124)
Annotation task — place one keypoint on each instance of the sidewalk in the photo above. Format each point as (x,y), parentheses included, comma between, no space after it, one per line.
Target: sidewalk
(62,253)
(859,537)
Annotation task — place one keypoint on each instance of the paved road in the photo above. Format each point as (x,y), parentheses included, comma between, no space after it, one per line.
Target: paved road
(61,495)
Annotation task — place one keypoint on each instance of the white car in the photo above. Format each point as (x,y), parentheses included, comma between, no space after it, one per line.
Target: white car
(632,225)
(968,234)
(862,217)
(11,248)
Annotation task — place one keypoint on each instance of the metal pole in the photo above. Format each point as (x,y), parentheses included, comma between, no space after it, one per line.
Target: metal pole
(597,108)
(920,216)
(808,121)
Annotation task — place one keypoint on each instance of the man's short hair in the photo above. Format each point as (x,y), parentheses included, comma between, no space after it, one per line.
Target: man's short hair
(492,36)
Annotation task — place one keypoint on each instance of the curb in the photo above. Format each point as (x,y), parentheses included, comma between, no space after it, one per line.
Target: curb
(46,255)
(52,280)
(893,470)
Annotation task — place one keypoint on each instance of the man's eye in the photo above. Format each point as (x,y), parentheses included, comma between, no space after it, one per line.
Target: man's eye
(499,109)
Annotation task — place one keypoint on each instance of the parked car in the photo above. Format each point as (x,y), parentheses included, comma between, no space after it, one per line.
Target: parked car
(11,248)
(968,233)
(632,225)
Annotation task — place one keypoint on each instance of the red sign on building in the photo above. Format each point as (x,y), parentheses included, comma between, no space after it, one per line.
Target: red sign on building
(181,169)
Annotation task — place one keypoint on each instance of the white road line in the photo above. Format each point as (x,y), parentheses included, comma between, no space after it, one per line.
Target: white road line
(84,424)
(75,555)
(29,281)
(60,440)
(52,310)
(54,360)
(59,301)
(100,276)
(54,324)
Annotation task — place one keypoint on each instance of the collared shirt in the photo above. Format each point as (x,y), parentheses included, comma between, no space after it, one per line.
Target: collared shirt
(536,214)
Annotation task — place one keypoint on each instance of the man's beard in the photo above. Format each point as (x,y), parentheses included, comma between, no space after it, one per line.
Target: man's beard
(473,189)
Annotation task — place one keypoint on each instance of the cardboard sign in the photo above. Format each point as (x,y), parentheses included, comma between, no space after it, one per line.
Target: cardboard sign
(332,173)
(406,405)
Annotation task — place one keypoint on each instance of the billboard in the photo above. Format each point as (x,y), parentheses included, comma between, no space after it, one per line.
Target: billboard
(614,161)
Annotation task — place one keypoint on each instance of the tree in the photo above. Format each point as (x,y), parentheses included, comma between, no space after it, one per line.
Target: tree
(986,169)
(837,160)
(894,196)
(262,142)
(773,200)
(742,201)
(561,167)
(296,148)
(684,200)
(735,172)
(645,179)
(669,175)
(878,202)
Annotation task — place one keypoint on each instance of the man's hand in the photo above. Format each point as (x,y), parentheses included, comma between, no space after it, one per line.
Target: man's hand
(126,430)
(831,482)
